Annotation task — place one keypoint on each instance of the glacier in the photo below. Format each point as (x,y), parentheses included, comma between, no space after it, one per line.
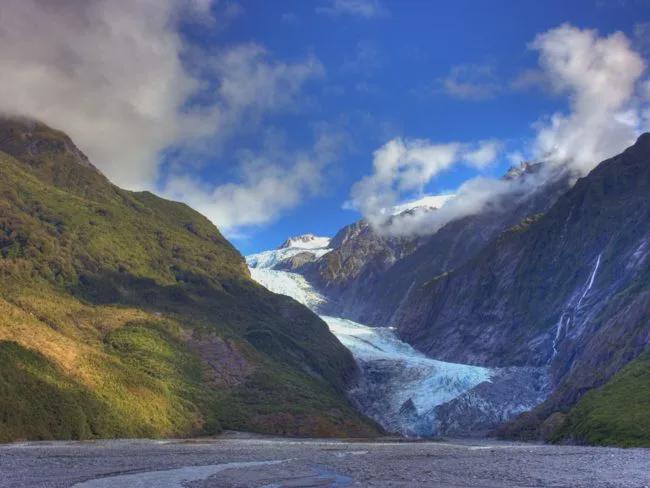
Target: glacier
(398,387)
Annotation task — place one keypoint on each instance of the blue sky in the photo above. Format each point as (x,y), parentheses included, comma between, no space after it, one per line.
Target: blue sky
(384,78)
(267,116)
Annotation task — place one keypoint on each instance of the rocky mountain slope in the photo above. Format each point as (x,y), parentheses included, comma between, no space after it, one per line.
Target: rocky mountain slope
(368,274)
(554,282)
(357,260)
(569,289)
(126,315)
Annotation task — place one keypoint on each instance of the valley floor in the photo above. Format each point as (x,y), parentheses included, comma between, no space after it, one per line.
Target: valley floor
(251,461)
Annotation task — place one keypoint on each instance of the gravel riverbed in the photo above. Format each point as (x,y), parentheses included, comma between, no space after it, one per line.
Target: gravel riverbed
(251,461)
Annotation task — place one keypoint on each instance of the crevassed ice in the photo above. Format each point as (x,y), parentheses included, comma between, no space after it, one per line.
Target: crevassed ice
(290,284)
(426,382)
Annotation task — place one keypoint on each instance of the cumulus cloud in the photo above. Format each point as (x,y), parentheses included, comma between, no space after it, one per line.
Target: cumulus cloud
(403,167)
(367,9)
(108,73)
(608,102)
(267,184)
(485,154)
(120,79)
(599,75)
(476,195)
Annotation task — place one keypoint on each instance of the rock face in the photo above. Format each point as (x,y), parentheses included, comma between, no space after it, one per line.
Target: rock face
(354,267)
(569,288)
(126,315)
(533,295)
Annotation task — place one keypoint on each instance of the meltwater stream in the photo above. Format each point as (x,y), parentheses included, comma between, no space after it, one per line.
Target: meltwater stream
(399,387)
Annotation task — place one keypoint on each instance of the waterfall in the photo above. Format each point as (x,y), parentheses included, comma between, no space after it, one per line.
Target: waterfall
(569,312)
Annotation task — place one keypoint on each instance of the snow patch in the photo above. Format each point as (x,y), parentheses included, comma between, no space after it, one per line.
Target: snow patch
(306,241)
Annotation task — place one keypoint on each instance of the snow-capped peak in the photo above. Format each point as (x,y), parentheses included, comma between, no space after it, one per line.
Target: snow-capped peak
(306,241)
(427,202)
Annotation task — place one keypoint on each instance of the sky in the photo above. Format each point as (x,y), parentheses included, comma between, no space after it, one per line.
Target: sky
(277,118)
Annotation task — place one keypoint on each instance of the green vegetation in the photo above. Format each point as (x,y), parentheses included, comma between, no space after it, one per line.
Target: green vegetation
(126,315)
(616,414)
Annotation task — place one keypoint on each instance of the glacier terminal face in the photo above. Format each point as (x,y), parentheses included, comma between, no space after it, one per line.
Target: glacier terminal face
(399,387)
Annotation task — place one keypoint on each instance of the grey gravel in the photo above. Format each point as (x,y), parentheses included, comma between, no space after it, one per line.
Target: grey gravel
(252,461)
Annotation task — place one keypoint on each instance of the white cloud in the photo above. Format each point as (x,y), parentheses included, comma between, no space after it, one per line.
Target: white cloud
(474,196)
(249,81)
(367,9)
(269,183)
(108,73)
(529,78)
(471,82)
(258,199)
(484,154)
(608,109)
(599,75)
(120,80)
(515,158)
(403,167)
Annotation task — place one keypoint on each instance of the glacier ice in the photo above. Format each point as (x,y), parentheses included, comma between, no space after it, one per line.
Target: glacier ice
(398,386)
(290,284)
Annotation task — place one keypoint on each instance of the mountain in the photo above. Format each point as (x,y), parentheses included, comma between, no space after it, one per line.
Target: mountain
(368,275)
(126,315)
(347,273)
(549,288)
(569,289)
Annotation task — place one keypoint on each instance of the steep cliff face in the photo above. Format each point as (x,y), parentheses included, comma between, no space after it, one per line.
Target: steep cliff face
(569,288)
(123,314)
(355,265)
